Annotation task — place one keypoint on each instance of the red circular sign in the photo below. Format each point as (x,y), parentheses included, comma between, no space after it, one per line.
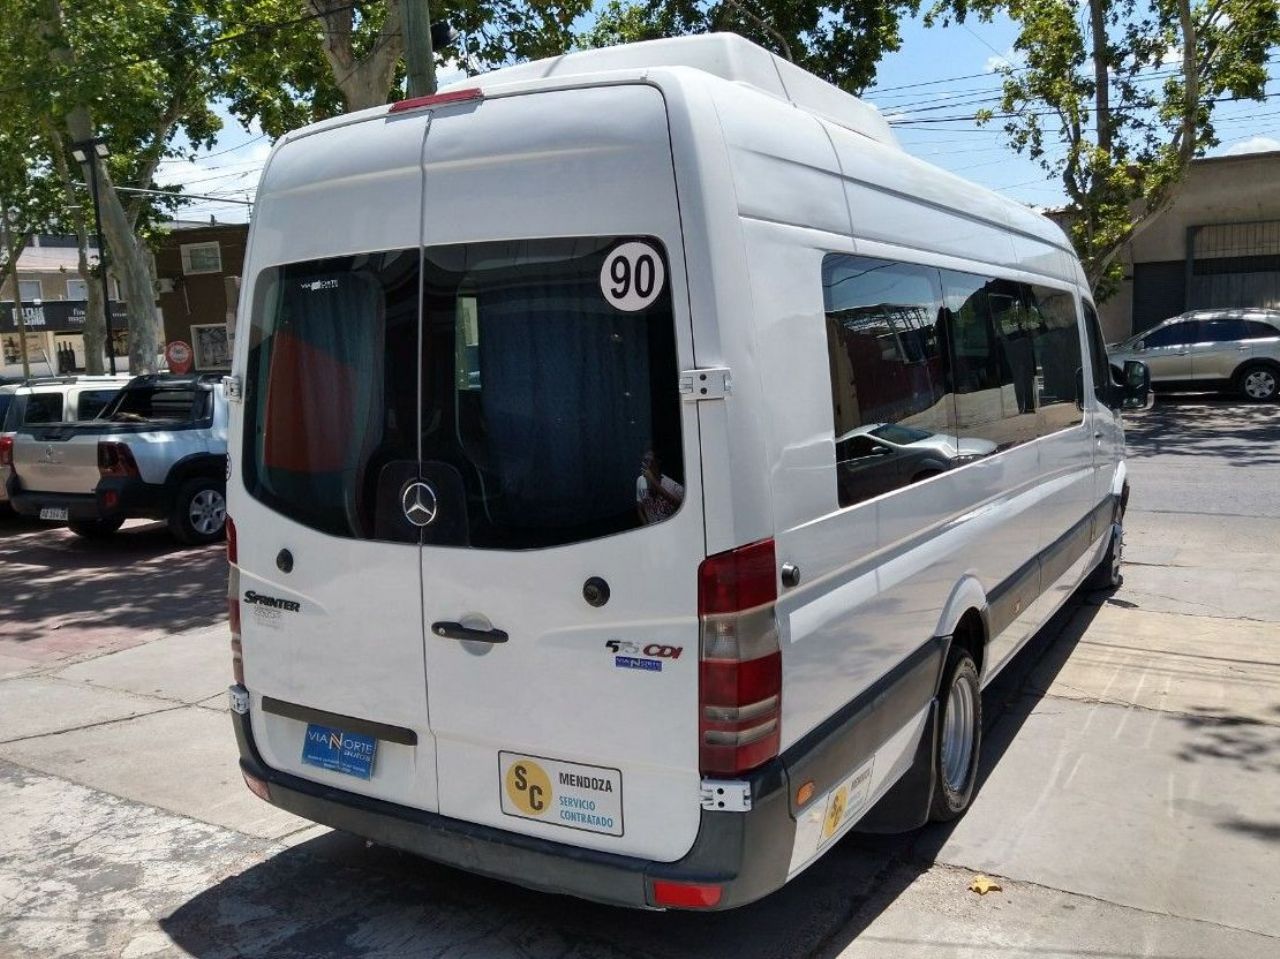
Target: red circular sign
(179,357)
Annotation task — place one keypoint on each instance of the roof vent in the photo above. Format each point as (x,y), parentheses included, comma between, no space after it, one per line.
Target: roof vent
(725,55)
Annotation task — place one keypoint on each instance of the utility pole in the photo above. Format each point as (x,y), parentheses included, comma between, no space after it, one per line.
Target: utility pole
(415,24)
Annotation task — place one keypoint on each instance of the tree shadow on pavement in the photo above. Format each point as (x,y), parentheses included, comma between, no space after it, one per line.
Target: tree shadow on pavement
(1239,433)
(332,896)
(137,579)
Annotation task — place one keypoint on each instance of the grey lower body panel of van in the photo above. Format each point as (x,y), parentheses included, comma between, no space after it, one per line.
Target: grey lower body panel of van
(747,854)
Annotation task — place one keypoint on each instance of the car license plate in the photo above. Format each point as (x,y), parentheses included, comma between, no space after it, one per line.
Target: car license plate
(58,513)
(339,751)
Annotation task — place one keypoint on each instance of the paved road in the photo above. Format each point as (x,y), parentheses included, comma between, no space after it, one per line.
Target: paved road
(1127,800)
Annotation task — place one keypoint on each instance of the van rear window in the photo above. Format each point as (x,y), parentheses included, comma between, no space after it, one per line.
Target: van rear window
(535,392)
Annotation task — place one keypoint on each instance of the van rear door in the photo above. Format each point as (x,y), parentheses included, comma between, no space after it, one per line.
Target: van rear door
(327,580)
(560,494)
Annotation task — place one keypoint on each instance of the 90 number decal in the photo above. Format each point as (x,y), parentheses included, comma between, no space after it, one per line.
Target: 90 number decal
(632,276)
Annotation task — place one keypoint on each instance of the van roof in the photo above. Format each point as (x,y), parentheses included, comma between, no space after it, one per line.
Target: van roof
(725,55)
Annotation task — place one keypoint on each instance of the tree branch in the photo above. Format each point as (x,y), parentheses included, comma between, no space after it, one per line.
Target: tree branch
(764,25)
(153,155)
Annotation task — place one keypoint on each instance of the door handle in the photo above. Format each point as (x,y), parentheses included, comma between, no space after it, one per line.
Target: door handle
(1183,353)
(458,631)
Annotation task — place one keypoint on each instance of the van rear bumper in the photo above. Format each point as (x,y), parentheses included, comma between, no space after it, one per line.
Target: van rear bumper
(745,853)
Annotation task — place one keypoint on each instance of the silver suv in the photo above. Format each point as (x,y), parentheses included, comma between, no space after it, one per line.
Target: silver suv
(1236,349)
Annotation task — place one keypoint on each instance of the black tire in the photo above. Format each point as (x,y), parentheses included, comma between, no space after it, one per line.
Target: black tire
(199,513)
(955,773)
(95,528)
(1258,383)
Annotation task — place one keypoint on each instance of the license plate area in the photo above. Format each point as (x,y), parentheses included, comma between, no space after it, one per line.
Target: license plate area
(56,513)
(339,751)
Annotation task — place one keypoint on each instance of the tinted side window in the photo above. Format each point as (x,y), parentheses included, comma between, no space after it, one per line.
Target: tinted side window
(995,375)
(1097,354)
(1257,330)
(43,408)
(1055,339)
(1221,331)
(5,400)
(1175,334)
(888,364)
(92,402)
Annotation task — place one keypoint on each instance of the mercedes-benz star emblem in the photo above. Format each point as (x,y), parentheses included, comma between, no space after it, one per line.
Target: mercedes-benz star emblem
(419,503)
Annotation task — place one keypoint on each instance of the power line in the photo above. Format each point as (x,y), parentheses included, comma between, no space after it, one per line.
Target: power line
(996,94)
(218,153)
(968,118)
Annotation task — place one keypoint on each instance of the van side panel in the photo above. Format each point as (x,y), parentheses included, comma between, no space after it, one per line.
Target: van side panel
(736,500)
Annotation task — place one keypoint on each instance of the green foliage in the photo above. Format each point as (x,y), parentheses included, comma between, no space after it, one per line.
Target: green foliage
(842,42)
(127,66)
(1121,147)
(284,70)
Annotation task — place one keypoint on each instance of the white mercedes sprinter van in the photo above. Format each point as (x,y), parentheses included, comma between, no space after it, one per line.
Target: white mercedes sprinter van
(638,466)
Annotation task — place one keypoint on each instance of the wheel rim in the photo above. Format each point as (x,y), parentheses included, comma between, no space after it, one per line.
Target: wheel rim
(1260,384)
(208,512)
(957,734)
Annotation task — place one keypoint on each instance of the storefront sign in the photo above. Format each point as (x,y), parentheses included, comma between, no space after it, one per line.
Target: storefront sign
(57,316)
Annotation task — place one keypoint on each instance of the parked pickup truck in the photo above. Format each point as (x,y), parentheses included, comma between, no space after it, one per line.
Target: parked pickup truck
(157,450)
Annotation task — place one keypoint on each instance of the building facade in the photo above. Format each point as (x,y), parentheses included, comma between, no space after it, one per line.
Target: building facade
(53,300)
(1218,245)
(198,269)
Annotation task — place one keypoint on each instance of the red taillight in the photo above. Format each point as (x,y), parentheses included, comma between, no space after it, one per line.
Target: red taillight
(115,459)
(686,895)
(740,676)
(233,604)
(738,580)
(437,99)
(6,450)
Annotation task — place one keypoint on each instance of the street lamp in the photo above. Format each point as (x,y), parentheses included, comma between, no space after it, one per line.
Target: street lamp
(90,152)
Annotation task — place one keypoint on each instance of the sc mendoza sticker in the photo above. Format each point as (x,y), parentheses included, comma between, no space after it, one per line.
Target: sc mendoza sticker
(632,276)
(572,795)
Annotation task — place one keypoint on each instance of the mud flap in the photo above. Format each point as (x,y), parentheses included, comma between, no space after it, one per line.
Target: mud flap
(906,805)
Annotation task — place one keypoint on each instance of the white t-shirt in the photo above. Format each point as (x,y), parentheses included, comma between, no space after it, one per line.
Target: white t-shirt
(654,507)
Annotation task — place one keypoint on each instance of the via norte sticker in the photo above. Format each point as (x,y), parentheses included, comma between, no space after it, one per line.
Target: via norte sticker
(572,795)
(632,276)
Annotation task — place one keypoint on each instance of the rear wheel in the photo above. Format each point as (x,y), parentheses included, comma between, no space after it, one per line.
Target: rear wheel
(95,528)
(199,512)
(1258,383)
(955,754)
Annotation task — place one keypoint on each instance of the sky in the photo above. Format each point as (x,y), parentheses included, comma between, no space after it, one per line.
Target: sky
(934,66)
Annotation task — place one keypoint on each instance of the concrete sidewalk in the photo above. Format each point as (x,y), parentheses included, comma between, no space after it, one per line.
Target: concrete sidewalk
(146,723)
